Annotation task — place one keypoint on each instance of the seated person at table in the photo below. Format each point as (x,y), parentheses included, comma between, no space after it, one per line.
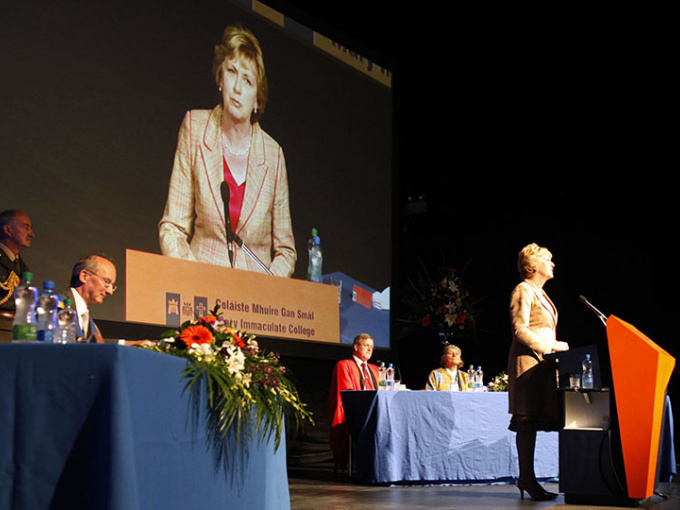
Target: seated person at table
(15,236)
(93,279)
(354,373)
(449,377)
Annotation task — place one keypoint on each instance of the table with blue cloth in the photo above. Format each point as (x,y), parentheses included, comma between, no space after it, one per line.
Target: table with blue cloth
(110,427)
(438,437)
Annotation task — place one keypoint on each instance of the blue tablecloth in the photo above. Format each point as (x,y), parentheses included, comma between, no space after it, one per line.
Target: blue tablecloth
(110,427)
(439,437)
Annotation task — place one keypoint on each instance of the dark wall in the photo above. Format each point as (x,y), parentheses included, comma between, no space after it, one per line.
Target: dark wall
(517,127)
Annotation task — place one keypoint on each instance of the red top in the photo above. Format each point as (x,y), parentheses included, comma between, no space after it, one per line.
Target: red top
(235,196)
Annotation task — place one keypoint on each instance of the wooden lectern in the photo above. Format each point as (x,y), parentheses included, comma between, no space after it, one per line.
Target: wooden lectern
(609,445)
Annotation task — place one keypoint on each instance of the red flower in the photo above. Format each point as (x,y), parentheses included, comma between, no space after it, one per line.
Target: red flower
(238,341)
(426,320)
(210,319)
(196,335)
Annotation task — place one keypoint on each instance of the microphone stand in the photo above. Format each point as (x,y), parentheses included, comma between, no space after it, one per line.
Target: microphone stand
(235,237)
(601,316)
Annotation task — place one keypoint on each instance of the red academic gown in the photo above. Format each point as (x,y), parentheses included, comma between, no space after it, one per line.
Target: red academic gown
(346,376)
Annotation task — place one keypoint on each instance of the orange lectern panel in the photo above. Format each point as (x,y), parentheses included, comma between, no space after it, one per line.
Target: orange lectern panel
(168,291)
(640,372)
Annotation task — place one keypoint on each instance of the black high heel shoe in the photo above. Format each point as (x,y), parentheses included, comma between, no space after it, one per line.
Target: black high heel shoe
(536,492)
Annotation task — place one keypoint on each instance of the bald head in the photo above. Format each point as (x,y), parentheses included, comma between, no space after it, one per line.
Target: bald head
(94,278)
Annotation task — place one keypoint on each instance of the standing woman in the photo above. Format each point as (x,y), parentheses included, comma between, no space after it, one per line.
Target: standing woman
(227,144)
(532,390)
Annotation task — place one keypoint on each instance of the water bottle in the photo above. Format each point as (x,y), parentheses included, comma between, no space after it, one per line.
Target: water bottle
(66,324)
(389,377)
(25,298)
(471,378)
(46,312)
(479,379)
(382,381)
(315,261)
(587,375)
(310,241)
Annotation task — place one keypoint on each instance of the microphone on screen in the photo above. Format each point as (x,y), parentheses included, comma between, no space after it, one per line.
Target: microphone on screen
(224,190)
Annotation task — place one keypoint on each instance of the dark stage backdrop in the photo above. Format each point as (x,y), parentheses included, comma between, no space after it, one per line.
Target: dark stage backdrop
(93,98)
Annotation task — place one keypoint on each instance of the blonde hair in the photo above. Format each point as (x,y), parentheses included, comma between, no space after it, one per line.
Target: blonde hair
(239,41)
(451,347)
(528,259)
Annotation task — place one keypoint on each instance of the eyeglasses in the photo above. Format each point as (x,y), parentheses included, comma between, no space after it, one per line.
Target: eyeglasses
(107,281)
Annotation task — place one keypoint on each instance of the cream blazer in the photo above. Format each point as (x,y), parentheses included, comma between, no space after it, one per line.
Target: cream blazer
(533,319)
(193,225)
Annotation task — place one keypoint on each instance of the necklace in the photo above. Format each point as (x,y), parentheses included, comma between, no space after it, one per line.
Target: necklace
(238,154)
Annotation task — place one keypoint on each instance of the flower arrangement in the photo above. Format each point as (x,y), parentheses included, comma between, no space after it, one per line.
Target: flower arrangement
(499,383)
(248,391)
(442,304)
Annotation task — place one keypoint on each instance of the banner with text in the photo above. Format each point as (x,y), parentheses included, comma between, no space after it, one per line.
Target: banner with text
(168,291)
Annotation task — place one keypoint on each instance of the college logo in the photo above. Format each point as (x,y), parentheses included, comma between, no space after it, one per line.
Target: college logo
(201,306)
(172,316)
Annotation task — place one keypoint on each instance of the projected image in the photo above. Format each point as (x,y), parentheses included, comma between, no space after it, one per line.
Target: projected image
(121,139)
(229,176)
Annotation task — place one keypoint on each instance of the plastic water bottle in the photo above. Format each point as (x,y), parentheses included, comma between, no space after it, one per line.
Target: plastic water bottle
(315,261)
(587,375)
(479,379)
(310,241)
(382,381)
(471,378)
(389,377)
(46,312)
(24,327)
(66,324)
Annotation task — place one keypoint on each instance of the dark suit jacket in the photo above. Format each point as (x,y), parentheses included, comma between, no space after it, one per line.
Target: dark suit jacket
(95,335)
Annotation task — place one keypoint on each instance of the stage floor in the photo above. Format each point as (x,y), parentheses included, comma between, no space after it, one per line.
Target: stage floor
(316,487)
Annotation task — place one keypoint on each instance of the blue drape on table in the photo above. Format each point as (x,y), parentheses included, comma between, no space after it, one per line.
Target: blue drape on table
(112,427)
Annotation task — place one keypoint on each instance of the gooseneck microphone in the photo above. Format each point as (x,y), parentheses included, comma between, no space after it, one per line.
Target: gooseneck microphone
(226,195)
(602,316)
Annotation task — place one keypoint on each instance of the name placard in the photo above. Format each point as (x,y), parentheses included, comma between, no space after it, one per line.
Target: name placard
(168,291)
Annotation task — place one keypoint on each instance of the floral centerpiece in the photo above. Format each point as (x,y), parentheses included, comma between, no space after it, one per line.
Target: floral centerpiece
(248,391)
(441,303)
(499,383)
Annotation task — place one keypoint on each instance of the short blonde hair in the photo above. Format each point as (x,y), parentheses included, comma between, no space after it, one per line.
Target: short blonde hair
(528,259)
(447,348)
(239,41)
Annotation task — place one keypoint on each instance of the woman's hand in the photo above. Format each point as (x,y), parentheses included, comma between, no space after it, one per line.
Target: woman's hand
(560,347)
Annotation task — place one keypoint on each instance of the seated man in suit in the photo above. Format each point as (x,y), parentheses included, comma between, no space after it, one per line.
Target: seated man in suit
(15,236)
(354,373)
(93,279)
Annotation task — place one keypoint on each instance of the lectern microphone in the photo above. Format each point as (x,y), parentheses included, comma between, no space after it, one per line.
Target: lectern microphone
(224,190)
(602,316)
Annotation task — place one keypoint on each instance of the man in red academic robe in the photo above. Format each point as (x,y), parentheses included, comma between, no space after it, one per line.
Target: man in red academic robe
(354,373)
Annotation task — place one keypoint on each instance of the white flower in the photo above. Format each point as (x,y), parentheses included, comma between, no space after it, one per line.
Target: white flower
(220,326)
(202,351)
(235,360)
